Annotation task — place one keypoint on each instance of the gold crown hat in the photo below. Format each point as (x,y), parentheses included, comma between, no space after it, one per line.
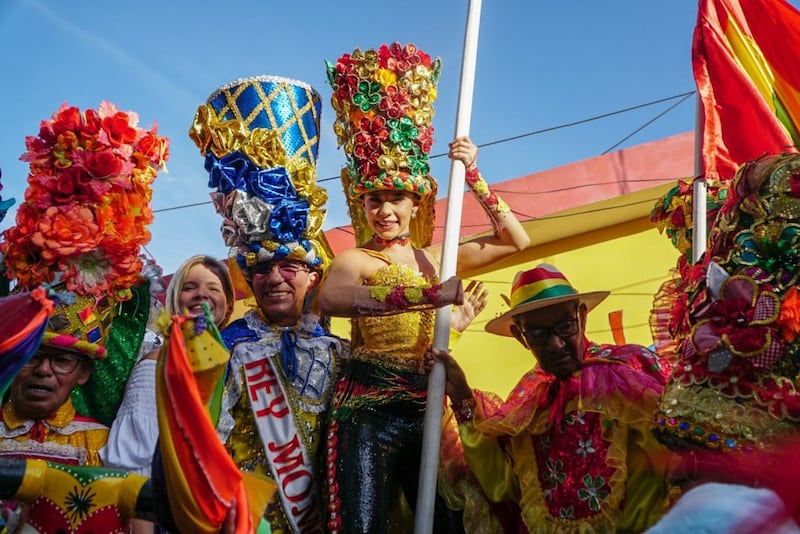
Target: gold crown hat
(736,321)
(384,113)
(80,230)
(260,138)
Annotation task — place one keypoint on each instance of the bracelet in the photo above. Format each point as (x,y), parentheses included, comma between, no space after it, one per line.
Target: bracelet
(464,410)
(492,204)
(401,298)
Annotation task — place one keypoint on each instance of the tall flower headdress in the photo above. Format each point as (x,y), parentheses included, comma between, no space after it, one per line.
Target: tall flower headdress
(384,112)
(84,218)
(736,320)
(260,137)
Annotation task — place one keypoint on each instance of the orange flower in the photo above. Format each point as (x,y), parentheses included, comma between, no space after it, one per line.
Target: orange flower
(65,233)
(789,319)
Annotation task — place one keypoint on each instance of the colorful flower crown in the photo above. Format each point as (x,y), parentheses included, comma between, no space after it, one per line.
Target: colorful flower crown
(384,112)
(673,212)
(736,319)
(87,203)
(259,137)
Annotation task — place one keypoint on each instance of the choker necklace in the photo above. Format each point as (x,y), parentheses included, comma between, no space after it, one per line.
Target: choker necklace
(404,239)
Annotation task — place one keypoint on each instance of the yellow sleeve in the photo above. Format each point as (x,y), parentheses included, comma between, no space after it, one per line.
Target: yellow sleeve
(489,463)
(647,489)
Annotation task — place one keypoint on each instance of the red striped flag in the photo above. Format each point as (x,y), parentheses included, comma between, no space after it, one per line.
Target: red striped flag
(746,60)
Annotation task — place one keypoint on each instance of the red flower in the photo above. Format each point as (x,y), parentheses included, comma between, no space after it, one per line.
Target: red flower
(742,321)
(118,131)
(67,119)
(400,58)
(152,149)
(91,124)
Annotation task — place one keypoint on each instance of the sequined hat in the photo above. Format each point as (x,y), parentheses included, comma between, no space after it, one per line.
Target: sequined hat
(260,139)
(84,218)
(735,319)
(542,286)
(384,113)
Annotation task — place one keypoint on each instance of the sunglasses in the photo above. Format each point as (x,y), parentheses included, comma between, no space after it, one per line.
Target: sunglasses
(287,269)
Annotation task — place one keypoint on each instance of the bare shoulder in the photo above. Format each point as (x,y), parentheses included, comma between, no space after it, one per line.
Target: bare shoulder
(352,266)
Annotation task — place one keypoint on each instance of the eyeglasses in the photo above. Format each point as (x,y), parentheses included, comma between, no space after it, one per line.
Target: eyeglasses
(60,363)
(287,269)
(564,330)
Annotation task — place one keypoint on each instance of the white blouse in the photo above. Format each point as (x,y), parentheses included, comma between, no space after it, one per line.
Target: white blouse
(134,433)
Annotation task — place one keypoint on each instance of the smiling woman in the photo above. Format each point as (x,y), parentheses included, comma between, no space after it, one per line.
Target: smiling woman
(389,284)
(134,433)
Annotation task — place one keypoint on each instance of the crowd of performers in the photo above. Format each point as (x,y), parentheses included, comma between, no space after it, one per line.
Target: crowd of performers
(121,416)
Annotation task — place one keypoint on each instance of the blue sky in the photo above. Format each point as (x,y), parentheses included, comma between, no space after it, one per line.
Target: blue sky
(540,65)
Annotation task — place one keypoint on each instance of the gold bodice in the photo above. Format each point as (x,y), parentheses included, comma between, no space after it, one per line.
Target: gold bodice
(398,340)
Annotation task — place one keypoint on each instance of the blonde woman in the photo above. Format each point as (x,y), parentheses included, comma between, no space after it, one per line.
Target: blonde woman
(134,433)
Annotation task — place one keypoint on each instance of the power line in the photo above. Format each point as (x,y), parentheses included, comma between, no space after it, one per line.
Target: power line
(682,97)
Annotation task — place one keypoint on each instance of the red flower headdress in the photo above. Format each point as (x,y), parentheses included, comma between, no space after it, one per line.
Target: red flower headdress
(87,205)
(736,318)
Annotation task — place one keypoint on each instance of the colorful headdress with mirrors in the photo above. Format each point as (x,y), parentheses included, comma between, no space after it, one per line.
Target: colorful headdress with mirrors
(384,120)
(260,138)
(735,319)
(80,231)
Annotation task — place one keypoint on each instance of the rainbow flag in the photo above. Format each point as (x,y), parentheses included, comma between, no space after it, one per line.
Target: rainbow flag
(745,61)
(201,480)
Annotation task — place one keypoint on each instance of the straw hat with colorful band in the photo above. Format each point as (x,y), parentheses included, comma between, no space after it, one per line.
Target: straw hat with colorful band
(384,112)
(260,139)
(542,286)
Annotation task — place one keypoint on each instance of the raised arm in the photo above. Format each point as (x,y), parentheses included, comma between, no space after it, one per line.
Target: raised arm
(509,236)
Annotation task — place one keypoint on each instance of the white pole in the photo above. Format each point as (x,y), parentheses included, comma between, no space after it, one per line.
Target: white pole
(431,440)
(699,188)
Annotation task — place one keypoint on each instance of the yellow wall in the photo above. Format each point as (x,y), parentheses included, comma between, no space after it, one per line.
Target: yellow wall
(631,260)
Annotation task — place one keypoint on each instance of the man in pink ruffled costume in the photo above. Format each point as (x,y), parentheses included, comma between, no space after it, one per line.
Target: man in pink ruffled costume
(571,445)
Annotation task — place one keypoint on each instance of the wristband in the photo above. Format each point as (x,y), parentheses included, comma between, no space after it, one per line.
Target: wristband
(464,410)
(492,204)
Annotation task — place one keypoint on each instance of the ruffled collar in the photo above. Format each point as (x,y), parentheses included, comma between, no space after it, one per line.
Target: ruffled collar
(61,418)
(309,323)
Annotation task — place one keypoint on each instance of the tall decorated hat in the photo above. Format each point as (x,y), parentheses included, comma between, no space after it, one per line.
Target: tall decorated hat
(384,120)
(84,219)
(735,321)
(260,137)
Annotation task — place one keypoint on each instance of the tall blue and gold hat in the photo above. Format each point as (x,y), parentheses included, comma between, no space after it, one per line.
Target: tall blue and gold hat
(260,140)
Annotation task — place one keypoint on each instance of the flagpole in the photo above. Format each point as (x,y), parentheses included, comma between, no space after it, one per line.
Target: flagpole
(699,188)
(432,434)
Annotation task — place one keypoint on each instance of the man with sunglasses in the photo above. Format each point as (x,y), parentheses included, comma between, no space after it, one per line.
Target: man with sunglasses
(571,445)
(283,363)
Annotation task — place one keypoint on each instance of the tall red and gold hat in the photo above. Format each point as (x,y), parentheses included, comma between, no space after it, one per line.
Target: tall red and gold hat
(84,219)
(735,318)
(383,100)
